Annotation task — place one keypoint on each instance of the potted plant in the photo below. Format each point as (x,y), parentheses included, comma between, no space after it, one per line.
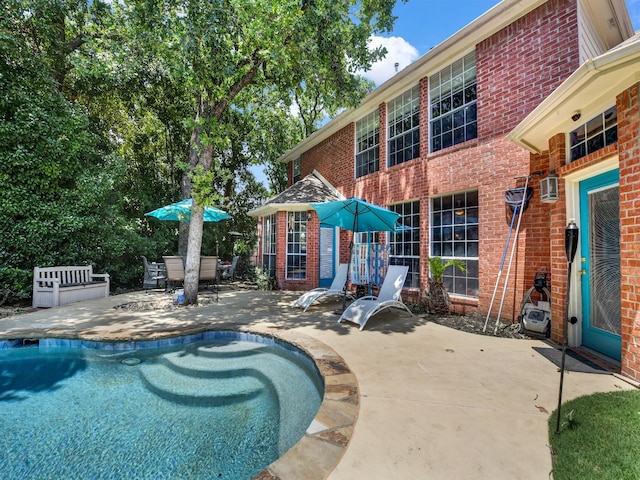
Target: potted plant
(436,297)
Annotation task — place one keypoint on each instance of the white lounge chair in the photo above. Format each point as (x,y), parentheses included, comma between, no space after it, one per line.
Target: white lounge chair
(336,288)
(364,308)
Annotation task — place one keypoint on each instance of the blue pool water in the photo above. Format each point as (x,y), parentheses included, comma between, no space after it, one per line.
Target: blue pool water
(208,406)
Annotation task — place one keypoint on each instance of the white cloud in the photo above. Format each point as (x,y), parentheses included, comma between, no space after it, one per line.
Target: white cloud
(398,51)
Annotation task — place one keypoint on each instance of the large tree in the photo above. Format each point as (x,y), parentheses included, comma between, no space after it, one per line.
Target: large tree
(223,48)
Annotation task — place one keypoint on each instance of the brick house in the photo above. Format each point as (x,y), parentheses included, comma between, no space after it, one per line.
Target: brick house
(432,144)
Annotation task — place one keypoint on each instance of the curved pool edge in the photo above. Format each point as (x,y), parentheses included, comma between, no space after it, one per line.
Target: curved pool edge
(326,439)
(316,454)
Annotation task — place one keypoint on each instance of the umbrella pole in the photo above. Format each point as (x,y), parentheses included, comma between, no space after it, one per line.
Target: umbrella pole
(346,283)
(353,233)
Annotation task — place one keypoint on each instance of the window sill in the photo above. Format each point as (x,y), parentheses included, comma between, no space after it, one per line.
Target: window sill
(453,148)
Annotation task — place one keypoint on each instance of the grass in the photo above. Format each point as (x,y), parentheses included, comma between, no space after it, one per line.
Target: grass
(599,437)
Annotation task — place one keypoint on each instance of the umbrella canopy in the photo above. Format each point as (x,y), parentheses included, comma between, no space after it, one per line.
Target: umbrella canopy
(181,211)
(358,216)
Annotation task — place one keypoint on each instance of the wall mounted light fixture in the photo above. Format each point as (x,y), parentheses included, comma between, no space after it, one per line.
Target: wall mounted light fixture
(549,189)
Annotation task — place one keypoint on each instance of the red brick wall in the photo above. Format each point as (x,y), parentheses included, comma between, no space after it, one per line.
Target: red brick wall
(629,155)
(334,159)
(523,63)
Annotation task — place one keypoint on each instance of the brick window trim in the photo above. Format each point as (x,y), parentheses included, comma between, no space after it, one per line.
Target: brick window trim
(474,142)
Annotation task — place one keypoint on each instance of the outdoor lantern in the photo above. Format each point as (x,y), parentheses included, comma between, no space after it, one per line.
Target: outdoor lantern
(549,189)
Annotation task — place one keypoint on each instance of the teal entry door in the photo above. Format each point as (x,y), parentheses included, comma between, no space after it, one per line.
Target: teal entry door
(600,263)
(327,252)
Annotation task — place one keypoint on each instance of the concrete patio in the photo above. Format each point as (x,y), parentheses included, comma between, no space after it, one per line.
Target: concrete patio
(434,403)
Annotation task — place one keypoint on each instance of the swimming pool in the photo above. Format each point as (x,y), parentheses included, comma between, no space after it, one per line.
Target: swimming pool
(202,406)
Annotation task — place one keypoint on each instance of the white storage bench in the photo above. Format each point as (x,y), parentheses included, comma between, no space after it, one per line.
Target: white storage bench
(54,286)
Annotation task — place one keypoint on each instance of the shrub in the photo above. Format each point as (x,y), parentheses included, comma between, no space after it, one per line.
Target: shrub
(15,285)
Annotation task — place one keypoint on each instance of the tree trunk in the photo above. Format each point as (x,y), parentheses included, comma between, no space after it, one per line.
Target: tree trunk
(437,298)
(202,155)
(192,266)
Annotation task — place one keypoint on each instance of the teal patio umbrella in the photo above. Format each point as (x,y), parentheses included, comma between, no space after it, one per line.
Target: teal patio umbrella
(358,216)
(181,211)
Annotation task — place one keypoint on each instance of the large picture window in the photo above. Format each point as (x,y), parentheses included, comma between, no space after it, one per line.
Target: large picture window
(403,113)
(597,133)
(404,246)
(297,245)
(368,144)
(269,245)
(454,115)
(454,235)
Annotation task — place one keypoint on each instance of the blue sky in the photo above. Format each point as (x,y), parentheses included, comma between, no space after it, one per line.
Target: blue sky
(423,24)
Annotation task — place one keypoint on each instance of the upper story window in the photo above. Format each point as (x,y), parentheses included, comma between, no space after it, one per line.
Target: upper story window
(454,115)
(368,144)
(296,170)
(403,113)
(597,133)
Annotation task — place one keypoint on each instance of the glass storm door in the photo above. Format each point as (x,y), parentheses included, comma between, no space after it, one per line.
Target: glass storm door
(600,263)
(327,249)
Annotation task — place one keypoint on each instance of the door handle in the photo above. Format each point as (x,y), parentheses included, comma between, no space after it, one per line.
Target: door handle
(582,272)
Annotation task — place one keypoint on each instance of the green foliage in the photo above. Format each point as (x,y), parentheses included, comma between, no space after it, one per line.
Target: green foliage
(437,267)
(111,109)
(64,189)
(264,281)
(15,285)
(436,299)
(598,437)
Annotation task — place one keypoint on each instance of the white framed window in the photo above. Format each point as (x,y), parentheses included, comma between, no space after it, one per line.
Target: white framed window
(296,245)
(368,144)
(455,235)
(597,133)
(454,114)
(403,114)
(296,170)
(269,245)
(404,246)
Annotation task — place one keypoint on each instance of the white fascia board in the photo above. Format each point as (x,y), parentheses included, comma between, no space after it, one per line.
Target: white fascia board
(271,208)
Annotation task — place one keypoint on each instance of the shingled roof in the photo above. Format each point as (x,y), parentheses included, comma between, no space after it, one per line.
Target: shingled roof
(311,189)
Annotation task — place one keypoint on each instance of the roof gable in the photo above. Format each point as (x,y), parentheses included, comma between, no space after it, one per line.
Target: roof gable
(313,188)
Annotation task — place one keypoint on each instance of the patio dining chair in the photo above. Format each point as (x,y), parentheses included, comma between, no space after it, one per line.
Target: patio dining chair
(209,271)
(154,273)
(230,273)
(175,271)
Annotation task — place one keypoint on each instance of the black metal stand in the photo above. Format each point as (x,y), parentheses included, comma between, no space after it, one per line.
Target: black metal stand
(571,245)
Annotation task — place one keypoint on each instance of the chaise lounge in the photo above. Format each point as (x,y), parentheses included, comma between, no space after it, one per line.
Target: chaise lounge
(336,288)
(360,311)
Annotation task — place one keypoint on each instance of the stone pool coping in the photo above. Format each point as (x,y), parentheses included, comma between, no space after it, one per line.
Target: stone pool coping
(318,452)
(326,439)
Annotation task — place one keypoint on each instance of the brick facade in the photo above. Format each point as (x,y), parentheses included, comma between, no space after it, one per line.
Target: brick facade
(517,67)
